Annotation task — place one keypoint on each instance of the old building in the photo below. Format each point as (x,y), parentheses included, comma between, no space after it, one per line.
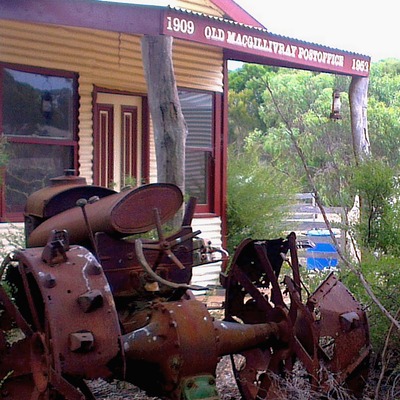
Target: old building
(73,92)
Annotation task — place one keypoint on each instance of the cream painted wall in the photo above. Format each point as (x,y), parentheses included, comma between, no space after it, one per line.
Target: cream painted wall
(112,61)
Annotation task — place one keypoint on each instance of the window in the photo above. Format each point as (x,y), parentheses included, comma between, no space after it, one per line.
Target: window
(198,110)
(38,121)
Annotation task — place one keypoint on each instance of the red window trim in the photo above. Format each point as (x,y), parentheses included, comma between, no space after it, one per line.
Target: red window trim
(130,148)
(214,195)
(98,160)
(45,141)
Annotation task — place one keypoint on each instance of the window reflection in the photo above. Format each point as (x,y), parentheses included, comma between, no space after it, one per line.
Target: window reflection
(30,168)
(37,105)
(38,120)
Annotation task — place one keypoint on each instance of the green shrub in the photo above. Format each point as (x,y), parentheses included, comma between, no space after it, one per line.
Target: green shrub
(382,273)
(258,198)
(379,227)
(10,241)
(378,237)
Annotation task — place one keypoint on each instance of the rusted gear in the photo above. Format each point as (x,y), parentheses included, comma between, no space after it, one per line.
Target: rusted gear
(54,313)
(253,296)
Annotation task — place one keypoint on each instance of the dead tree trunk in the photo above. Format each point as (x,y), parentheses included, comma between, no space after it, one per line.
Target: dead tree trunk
(358,92)
(169,125)
(358,96)
(165,109)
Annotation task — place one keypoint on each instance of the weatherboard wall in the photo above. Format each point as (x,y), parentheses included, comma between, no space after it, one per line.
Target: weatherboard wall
(103,59)
(106,60)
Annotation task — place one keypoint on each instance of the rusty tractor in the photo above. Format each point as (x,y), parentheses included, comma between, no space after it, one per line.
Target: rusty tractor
(94,296)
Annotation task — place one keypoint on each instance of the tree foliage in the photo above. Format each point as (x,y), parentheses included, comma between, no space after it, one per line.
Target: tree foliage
(379,226)
(384,111)
(304,100)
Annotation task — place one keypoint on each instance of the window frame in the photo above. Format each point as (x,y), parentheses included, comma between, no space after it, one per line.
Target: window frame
(209,209)
(73,142)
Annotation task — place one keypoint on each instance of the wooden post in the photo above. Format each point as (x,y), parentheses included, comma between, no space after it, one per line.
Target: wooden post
(358,96)
(169,125)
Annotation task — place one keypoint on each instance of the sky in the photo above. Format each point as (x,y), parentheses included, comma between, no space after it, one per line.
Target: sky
(368,27)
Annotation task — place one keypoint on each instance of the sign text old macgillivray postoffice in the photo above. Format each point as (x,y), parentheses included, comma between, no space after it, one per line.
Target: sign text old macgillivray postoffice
(217,33)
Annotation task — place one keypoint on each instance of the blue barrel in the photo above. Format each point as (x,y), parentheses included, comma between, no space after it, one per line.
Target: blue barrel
(316,260)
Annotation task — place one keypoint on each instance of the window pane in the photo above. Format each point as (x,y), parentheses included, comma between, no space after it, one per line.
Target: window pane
(197,175)
(30,168)
(36,105)
(197,110)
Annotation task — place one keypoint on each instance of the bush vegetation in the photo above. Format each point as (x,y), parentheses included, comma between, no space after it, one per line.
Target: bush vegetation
(259,197)
(265,104)
(378,238)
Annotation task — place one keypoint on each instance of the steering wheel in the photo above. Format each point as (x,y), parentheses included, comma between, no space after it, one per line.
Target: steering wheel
(165,247)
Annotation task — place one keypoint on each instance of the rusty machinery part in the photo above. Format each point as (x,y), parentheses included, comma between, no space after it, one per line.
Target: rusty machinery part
(158,279)
(121,307)
(73,330)
(143,267)
(68,329)
(182,342)
(329,334)
(61,195)
(343,333)
(164,245)
(121,214)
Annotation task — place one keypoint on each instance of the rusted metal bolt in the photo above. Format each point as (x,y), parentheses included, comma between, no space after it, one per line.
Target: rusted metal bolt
(81,202)
(81,342)
(90,301)
(50,281)
(93,268)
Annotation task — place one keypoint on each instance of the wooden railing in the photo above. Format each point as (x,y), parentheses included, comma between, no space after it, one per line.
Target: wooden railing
(308,223)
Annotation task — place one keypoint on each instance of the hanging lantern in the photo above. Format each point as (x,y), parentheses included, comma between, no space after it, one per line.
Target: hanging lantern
(336,105)
(47,105)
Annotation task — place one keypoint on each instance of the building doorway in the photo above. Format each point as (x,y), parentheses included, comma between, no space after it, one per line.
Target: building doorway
(118,136)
